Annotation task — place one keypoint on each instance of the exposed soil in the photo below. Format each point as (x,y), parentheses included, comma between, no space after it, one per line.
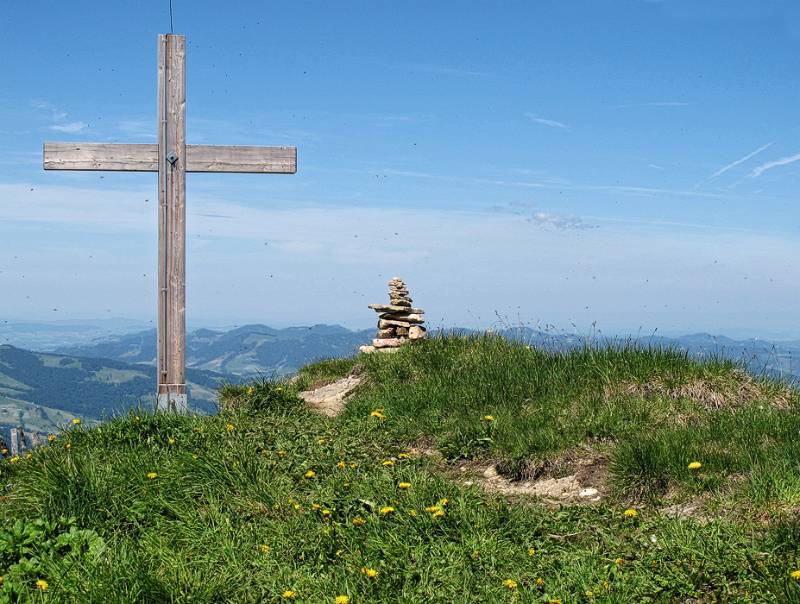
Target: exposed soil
(578,477)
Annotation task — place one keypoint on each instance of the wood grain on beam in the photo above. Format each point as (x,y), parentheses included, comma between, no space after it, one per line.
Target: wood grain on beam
(144,158)
(100,156)
(237,158)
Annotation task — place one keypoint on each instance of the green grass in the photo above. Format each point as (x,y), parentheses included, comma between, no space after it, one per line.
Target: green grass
(87,519)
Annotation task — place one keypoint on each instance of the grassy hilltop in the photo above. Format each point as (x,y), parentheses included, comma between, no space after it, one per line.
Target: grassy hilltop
(420,491)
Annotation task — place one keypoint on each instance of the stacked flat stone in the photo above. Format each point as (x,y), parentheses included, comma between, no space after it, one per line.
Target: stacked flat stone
(398,321)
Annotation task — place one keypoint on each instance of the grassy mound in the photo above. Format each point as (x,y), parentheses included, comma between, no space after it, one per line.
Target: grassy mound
(267,502)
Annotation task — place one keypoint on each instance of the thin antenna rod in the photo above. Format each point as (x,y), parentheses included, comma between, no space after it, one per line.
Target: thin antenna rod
(171,30)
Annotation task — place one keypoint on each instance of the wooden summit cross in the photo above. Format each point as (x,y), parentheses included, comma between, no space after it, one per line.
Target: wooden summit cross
(171,157)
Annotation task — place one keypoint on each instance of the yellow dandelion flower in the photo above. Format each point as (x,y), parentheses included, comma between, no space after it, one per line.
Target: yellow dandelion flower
(432,509)
(695,465)
(795,574)
(488,418)
(510,583)
(370,572)
(315,506)
(230,427)
(444,502)
(250,390)
(619,561)
(412,513)
(68,446)
(42,584)
(388,463)
(289,595)
(378,413)
(171,441)
(341,600)
(75,422)
(152,475)
(404,485)
(51,438)
(359,521)
(438,514)
(322,441)
(539,581)
(326,513)
(341,464)
(309,474)
(264,548)
(403,455)
(353,465)
(386,510)
(630,513)
(531,551)
(14,459)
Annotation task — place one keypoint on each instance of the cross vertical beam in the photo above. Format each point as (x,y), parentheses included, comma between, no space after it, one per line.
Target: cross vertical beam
(172,223)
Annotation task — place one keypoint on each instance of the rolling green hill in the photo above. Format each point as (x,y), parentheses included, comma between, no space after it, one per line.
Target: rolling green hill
(428,488)
(65,386)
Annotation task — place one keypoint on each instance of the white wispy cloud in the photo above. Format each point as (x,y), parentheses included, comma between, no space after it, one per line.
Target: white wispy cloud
(553,220)
(559,221)
(70,127)
(56,114)
(545,122)
(741,160)
(783,161)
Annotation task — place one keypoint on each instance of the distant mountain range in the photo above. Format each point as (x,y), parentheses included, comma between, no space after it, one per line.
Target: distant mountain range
(250,350)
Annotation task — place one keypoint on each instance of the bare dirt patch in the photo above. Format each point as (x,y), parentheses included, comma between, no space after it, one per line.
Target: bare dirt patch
(578,477)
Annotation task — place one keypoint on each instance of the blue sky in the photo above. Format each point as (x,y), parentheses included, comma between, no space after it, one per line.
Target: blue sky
(628,163)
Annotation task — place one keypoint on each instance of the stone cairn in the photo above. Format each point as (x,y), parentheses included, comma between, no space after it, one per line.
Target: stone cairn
(398,322)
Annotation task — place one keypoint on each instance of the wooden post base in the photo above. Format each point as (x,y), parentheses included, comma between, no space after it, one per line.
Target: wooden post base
(173,402)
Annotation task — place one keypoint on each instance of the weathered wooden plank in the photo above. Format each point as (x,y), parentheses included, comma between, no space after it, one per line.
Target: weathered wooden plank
(100,156)
(144,158)
(238,158)
(172,223)
(14,442)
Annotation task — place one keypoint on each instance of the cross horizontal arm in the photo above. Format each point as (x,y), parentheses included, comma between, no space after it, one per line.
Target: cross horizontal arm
(144,158)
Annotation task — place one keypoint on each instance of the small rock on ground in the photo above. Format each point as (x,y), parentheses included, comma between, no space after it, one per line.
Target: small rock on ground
(330,399)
